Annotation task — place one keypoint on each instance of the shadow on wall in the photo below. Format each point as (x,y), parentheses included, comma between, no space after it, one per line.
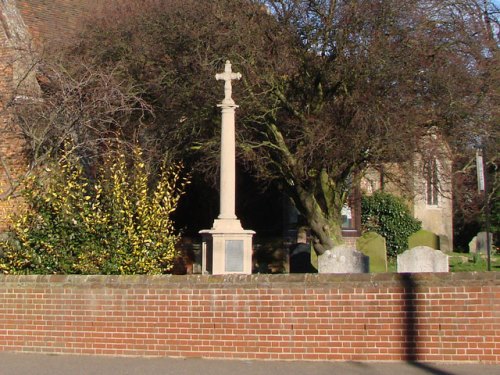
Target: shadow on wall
(411,329)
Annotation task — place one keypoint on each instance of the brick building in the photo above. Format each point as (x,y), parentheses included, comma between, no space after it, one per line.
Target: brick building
(28,28)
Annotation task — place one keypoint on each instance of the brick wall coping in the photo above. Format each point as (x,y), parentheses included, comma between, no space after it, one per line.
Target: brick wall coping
(255,281)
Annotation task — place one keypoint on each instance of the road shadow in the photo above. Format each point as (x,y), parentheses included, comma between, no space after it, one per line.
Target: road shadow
(430,369)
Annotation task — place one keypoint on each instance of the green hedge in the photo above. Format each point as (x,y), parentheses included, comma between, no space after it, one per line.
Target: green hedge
(119,223)
(390,217)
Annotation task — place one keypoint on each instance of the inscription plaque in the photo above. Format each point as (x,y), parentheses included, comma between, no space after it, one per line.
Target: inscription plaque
(234,256)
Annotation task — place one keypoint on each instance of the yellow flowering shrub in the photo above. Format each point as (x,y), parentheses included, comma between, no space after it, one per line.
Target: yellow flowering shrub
(119,223)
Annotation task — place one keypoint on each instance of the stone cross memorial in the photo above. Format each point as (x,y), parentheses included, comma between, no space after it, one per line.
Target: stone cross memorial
(227,247)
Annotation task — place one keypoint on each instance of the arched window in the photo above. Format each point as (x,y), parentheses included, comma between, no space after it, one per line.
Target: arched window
(431,175)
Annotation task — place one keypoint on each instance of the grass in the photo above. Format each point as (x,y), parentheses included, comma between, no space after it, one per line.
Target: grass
(460,262)
(463,262)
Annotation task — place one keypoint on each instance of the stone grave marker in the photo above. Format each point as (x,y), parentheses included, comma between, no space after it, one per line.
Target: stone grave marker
(478,244)
(482,244)
(423,259)
(445,244)
(373,245)
(424,238)
(473,245)
(343,259)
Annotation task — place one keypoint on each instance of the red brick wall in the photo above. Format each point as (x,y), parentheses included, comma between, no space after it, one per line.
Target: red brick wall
(55,20)
(48,21)
(13,162)
(440,317)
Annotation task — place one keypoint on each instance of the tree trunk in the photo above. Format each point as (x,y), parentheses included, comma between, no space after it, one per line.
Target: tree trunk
(319,198)
(325,219)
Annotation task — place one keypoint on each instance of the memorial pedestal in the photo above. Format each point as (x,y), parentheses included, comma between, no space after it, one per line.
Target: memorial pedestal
(227,248)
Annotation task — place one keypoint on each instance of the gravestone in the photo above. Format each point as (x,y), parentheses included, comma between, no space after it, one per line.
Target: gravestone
(423,259)
(343,259)
(423,238)
(197,264)
(473,245)
(478,245)
(482,244)
(444,244)
(373,245)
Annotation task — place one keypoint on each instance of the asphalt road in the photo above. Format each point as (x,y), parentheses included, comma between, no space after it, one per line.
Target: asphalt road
(41,364)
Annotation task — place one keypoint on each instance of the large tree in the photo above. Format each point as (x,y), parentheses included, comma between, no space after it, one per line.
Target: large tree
(329,86)
(481,18)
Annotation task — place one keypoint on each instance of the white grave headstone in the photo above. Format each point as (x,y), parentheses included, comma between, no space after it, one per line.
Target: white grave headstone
(423,259)
(343,259)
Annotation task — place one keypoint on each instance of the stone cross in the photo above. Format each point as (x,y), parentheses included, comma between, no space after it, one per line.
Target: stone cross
(227,247)
(228,146)
(227,76)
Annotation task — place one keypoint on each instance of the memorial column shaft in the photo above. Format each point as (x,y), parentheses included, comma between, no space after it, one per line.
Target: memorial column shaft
(228,163)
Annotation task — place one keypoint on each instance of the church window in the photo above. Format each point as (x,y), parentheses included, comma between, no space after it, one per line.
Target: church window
(431,175)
